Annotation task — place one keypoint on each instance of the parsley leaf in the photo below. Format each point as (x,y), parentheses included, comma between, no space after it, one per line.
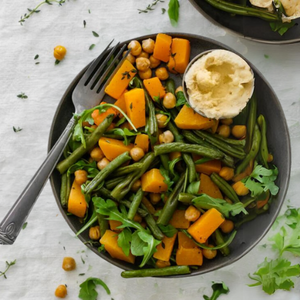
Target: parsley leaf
(218,289)
(92,46)
(95,34)
(274,275)
(167,179)
(88,288)
(281,27)
(22,96)
(206,202)
(180,99)
(124,133)
(24,225)
(17,129)
(261,180)
(82,164)
(193,188)
(8,265)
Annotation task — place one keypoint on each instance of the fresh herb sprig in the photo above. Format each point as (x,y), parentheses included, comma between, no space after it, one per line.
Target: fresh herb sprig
(37,10)
(8,265)
(150,7)
(218,289)
(88,288)
(22,96)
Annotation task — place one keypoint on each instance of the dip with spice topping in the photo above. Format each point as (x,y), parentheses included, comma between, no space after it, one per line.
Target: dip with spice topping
(219,84)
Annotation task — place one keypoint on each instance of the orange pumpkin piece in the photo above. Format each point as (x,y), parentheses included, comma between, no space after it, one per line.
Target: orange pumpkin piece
(113,148)
(245,173)
(178,220)
(136,107)
(99,117)
(162,47)
(120,80)
(153,182)
(164,249)
(189,119)
(208,167)
(121,104)
(202,229)
(154,87)
(162,264)
(76,203)
(185,242)
(180,55)
(262,203)
(208,187)
(113,225)
(214,128)
(189,257)
(110,242)
(142,141)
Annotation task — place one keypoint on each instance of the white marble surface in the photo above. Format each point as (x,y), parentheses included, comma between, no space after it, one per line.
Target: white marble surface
(47,239)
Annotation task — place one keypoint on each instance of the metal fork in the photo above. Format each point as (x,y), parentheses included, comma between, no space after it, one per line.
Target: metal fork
(88,93)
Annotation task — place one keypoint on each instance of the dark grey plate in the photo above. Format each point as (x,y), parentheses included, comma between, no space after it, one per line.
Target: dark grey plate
(248,27)
(279,143)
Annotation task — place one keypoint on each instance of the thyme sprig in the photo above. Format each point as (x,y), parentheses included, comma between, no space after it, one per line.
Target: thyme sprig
(37,10)
(150,6)
(8,265)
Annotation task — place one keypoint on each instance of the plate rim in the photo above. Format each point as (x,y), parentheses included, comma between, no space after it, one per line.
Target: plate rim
(286,181)
(237,34)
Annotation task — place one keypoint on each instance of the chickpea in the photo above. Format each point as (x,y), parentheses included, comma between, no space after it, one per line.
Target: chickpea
(148,45)
(239,131)
(228,121)
(102,163)
(154,198)
(270,158)
(129,57)
(169,101)
(154,62)
(227,173)
(135,47)
(240,188)
(68,264)
(59,52)
(137,218)
(145,75)
(143,54)
(192,213)
(97,154)
(162,73)
(227,226)
(166,137)
(161,120)
(224,130)
(209,253)
(94,233)
(136,185)
(179,89)
(142,64)
(61,291)
(137,153)
(80,176)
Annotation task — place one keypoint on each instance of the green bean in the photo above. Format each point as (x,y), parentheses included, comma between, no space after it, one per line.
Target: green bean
(192,138)
(140,211)
(170,86)
(192,173)
(167,271)
(225,187)
(156,232)
(164,158)
(226,148)
(105,193)
(253,151)
(189,148)
(172,202)
(91,141)
(113,136)
(65,189)
(236,9)
(122,189)
(112,183)
(137,199)
(236,143)
(151,126)
(127,169)
(264,152)
(219,240)
(104,173)
(186,198)
(251,121)
(103,224)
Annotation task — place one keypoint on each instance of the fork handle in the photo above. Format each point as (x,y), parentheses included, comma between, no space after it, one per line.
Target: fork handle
(17,215)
